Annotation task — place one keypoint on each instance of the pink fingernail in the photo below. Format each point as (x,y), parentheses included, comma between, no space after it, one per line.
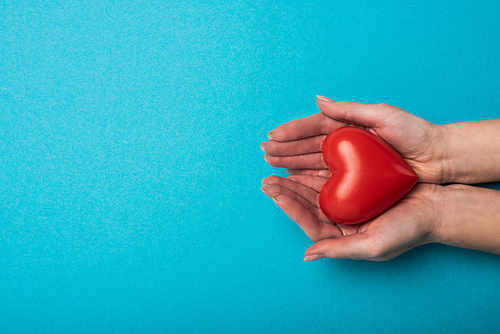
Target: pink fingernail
(275,198)
(313,257)
(323,98)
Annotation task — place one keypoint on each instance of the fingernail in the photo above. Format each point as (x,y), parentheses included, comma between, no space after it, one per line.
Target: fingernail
(313,257)
(270,135)
(264,186)
(323,98)
(265,156)
(275,198)
(264,180)
(263,147)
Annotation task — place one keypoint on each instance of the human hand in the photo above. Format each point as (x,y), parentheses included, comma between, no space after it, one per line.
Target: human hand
(296,145)
(457,214)
(409,223)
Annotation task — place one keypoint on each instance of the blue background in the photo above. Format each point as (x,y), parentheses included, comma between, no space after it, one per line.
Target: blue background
(130,166)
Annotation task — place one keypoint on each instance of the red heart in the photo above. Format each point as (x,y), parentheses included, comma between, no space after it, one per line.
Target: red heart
(367,176)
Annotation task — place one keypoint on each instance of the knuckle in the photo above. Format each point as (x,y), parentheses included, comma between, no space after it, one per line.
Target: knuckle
(272,188)
(276,133)
(273,160)
(341,255)
(273,179)
(270,146)
(347,105)
(383,106)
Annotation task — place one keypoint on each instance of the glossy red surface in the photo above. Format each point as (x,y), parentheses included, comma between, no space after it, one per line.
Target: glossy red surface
(367,176)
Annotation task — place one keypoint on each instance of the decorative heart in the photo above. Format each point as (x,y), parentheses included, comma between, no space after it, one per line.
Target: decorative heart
(367,176)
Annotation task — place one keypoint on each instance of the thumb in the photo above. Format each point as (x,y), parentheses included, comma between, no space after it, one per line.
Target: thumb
(354,246)
(366,115)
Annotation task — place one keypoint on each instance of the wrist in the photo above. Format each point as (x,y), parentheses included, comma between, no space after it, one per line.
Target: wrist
(453,169)
(435,195)
(447,202)
(468,217)
(441,155)
(470,151)
(452,149)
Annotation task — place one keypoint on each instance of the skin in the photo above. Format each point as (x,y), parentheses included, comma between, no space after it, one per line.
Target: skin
(457,215)
(438,153)
(407,224)
(296,145)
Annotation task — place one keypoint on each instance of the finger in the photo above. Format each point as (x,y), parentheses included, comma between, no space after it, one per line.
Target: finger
(325,173)
(366,115)
(306,196)
(275,189)
(355,246)
(296,147)
(314,182)
(311,126)
(304,161)
(306,220)
(309,194)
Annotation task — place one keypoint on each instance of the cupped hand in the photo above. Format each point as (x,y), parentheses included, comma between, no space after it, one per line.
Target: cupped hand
(296,145)
(409,223)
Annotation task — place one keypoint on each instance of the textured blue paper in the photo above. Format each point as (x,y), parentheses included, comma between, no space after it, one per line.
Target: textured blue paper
(130,165)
